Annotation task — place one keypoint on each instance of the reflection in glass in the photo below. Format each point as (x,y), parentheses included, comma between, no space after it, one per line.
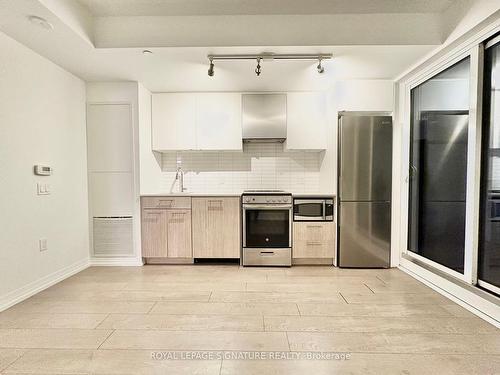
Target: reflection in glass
(438,167)
(489,228)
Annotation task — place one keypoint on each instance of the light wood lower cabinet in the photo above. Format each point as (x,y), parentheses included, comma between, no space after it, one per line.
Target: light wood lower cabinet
(313,240)
(216,227)
(166,228)
(179,234)
(154,233)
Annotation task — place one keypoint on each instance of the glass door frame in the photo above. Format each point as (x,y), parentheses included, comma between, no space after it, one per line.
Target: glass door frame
(475,54)
(477,281)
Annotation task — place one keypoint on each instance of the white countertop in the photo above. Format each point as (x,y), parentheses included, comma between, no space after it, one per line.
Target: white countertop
(188,194)
(191,195)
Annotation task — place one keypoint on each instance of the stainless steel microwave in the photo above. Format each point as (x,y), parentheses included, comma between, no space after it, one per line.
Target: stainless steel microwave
(313,209)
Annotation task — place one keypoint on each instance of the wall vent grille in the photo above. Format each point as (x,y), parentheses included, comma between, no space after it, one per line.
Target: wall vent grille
(113,236)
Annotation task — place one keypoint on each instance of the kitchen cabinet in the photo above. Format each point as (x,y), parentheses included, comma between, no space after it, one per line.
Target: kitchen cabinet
(166,227)
(216,227)
(179,234)
(196,121)
(173,121)
(314,240)
(154,233)
(306,121)
(218,121)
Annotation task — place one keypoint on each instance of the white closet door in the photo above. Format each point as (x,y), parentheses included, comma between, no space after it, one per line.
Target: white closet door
(111,194)
(109,138)
(110,159)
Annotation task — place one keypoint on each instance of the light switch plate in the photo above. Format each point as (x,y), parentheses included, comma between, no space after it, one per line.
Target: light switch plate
(43,189)
(42,243)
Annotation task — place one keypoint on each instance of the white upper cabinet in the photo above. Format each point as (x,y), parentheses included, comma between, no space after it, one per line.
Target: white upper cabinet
(174,121)
(218,121)
(306,121)
(196,121)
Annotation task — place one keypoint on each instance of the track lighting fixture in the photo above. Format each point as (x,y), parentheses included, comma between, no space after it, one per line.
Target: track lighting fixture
(270,56)
(211,68)
(258,70)
(320,67)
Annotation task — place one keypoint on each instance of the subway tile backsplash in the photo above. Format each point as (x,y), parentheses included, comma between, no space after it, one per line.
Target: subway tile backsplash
(259,166)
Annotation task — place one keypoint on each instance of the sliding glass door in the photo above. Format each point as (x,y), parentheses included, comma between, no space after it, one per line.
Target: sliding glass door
(438,167)
(489,222)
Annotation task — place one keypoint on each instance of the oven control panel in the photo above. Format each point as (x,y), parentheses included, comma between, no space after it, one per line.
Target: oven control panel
(267,199)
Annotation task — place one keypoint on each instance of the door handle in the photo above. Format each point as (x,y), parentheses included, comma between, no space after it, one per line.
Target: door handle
(267,253)
(165,203)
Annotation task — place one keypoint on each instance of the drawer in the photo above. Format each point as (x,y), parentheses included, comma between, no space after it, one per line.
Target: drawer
(313,239)
(267,257)
(312,249)
(166,202)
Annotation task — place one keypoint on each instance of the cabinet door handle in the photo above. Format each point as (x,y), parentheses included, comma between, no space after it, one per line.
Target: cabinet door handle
(313,243)
(178,215)
(152,212)
(215,205)
(167,202)
(314,226)
(217,202)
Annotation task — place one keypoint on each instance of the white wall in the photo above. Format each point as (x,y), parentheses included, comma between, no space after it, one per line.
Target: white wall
(42,121)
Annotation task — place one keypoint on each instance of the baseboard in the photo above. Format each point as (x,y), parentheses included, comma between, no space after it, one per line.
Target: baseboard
(312,261)
(20,294)
(472,302)
(169,260)
(116,262)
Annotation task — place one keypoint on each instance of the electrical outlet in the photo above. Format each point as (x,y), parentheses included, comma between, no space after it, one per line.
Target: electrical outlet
(42,244)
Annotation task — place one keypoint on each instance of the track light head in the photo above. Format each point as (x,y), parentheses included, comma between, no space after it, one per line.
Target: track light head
(258,69)
(211,69)
(320,67)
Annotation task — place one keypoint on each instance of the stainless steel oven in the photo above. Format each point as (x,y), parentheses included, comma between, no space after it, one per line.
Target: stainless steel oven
(267,229)
(313,209)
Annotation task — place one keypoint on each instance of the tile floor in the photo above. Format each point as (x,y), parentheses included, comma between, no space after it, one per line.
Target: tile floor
(108,320)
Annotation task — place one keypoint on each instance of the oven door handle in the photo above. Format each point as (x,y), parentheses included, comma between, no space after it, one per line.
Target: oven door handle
(267,207)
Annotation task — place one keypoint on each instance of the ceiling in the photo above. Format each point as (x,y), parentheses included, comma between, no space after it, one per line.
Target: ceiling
(252,7)
(94,44)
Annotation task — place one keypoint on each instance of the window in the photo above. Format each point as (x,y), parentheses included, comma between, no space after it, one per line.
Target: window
(489,223)
(438,167)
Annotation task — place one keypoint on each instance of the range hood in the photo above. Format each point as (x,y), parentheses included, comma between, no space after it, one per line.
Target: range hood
(264,117)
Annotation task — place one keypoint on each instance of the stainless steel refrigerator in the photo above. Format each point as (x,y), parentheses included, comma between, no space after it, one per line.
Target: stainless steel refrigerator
(364,187)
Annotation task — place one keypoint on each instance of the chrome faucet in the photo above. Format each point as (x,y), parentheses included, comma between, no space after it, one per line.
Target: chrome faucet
(179,177)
